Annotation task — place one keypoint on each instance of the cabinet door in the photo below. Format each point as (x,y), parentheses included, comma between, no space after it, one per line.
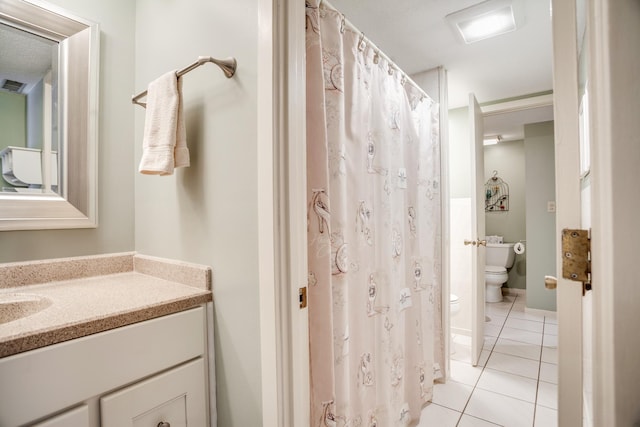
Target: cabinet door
(176,397)
(78,417)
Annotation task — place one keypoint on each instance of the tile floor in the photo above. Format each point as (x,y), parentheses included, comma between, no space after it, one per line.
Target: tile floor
(515,383)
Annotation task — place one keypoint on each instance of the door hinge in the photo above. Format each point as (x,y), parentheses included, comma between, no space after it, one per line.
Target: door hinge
(302,292)
(576,257)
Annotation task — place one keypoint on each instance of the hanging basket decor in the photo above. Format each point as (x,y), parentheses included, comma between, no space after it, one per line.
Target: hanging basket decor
(496,194)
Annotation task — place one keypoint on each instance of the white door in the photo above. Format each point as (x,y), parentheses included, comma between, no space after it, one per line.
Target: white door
(568,214)
(477,228)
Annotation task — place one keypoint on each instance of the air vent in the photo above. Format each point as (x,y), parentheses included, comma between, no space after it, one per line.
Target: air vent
(13,86)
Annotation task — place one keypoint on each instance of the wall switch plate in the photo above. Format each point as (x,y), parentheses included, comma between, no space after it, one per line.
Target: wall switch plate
(551,206)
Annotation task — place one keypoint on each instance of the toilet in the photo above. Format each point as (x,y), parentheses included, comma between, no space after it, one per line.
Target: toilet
(499,257)
(454,305)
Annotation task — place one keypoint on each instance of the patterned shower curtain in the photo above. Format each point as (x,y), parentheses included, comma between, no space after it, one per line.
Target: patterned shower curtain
(374,232)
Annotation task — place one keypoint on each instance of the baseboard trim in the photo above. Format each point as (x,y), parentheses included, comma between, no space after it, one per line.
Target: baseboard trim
(514,291)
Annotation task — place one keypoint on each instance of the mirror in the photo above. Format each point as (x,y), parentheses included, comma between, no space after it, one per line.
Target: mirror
(48,93)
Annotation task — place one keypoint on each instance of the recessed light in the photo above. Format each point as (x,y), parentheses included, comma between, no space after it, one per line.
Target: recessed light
(484,20)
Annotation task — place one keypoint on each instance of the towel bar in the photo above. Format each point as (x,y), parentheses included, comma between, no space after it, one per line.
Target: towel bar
(228,67)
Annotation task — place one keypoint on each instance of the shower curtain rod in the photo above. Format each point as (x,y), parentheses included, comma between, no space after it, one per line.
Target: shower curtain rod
(228,67)
(348,24)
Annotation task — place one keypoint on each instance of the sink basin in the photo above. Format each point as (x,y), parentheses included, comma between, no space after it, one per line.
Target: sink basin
(17,306)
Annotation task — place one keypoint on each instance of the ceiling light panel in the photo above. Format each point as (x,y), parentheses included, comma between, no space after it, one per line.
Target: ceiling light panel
(485,20)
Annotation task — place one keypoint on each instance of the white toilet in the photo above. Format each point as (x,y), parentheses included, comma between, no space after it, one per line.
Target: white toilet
(499,257)
(454,305)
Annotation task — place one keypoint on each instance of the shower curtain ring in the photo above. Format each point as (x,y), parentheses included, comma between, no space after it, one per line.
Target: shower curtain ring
(342,24)
(361,43)
(390,70)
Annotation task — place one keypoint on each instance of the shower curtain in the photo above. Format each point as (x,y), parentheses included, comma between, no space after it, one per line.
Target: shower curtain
(374,232)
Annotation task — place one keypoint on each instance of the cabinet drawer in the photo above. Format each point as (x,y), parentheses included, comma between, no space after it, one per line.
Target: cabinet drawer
(176,397)
(78,417)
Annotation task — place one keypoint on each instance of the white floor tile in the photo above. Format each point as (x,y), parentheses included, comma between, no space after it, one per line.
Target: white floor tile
(469,421)
(545,417)
(491,330)
(452,395)
(550,329)
(514,365)
(547,395)
(549,372)
(484,357)
(436,415)
(461,352)
(507,302)
(507,384)
(550,341)
(522,336)
(495,319)
(517,348)
(500,409)
(527,316)
(489,342)
(527,325)
(497,310)
(518,306)
(550,355)
(551,318)
(461,339)
(464,373)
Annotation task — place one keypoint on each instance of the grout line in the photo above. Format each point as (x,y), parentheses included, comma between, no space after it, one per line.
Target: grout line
(535,405)
(484,367)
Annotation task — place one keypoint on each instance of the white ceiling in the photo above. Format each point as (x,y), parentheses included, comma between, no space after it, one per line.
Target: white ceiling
(24,57)
(416,36)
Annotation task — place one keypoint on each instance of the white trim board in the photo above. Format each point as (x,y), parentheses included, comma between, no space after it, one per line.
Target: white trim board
(518,105)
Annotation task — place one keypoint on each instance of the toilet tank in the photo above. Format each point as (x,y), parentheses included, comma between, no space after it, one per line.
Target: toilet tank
(500,254)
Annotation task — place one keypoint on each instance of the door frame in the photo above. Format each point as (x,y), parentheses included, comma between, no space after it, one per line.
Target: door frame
(614,131)
(478,232)
(282,212)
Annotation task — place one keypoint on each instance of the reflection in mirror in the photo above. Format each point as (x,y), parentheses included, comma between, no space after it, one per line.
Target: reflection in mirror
(48,113)
(28,111)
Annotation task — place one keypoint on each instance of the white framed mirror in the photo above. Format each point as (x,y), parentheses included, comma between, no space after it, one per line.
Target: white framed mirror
(49,72)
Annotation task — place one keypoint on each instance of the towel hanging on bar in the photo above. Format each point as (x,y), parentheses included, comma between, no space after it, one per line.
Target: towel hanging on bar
(228,67)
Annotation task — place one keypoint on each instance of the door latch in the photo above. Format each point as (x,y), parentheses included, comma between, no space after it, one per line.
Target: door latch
(576,257)
(302,292)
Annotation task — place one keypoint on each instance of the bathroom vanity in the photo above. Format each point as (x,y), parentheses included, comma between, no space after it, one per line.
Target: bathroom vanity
(130,347)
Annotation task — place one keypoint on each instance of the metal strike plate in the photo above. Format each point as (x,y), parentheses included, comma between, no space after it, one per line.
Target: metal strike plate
(576,261)
(303,297)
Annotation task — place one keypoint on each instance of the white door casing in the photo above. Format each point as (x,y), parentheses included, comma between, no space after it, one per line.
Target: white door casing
(282,213)
(476,135)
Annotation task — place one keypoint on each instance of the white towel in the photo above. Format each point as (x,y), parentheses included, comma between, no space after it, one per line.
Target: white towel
(164,146)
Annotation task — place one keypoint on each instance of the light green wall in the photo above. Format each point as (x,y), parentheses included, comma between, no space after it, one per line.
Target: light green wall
(13,119)
(115,154)
(208,213)
(541,243)
(13,122)
(508,159)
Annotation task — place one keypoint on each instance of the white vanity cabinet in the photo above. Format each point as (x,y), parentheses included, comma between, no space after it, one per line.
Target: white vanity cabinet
(134,375)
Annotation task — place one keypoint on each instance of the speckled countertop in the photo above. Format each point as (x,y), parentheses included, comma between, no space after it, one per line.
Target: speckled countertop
(85,295)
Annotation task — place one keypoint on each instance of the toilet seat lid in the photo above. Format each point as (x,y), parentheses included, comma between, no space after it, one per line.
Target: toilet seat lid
(494,269)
